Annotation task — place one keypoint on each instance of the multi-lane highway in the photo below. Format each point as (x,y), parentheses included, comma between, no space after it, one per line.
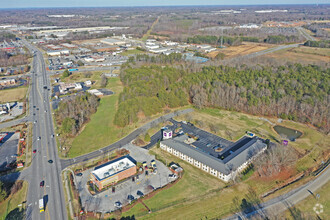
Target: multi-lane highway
(41,169)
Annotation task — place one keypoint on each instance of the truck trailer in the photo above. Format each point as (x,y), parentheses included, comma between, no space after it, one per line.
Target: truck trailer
(41,205)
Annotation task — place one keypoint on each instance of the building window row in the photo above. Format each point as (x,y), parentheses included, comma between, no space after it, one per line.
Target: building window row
(195,163)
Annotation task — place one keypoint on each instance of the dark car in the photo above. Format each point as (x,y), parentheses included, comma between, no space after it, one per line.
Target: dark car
(139,193)
(130,198)
(79,174)
(42,183)
(113,189)
(50,161)
(118,204)
(34,151)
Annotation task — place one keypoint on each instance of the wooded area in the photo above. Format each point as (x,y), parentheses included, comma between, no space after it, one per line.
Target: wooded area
(294,92)
(321,43)
(73,113)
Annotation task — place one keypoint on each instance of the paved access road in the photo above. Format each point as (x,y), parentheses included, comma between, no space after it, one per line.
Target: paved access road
(41,169)
(126,140)
(283,202)
(305,34)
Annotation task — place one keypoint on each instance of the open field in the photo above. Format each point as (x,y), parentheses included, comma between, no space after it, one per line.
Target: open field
(302,55)
(131,52)
(81,77)
(100,130)
(11,203)
(245,48)
(11,95)
(306,206)
(212,54)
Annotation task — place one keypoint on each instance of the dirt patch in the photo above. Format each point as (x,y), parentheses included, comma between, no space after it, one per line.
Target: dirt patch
(212,54)
(159,37)
(140,115)
(281,176)
(245,48)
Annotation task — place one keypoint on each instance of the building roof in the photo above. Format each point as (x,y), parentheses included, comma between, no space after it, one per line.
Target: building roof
(113,167)
(240,152)
(112,41)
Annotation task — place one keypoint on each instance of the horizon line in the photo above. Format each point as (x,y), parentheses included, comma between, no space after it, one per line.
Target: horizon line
(140,6)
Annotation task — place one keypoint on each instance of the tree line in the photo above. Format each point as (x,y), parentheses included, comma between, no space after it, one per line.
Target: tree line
(294,92)
(73,113)
(321,43)
(232,41)
(148,90)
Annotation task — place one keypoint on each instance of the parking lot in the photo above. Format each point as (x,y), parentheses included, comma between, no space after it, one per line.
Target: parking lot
(16,109)
(8,149)
(63,62)
(105,201)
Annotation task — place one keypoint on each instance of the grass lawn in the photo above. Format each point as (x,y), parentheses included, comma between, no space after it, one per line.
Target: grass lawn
(306,206)
(12,202)
(100,131)
(11,95)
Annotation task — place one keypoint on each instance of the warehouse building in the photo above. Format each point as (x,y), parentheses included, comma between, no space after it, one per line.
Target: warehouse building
(232,160)
(112,41)
(113,171)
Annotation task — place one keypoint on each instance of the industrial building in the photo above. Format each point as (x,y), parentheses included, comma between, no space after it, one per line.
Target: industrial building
(113,171)
(224,165)
(58,52)
(112,41)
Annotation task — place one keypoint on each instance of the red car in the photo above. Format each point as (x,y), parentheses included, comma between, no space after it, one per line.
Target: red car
(34,151)
(42,183)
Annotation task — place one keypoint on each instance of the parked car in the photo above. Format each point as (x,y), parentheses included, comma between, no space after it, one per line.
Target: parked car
(130,198)
(139,193)
(79,174)
(118,204)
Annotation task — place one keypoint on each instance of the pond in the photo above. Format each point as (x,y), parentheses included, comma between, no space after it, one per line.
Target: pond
(287,133)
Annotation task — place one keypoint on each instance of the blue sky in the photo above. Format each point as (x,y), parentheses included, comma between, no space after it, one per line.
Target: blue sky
(116,3)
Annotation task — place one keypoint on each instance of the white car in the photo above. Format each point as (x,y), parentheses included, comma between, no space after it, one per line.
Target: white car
(39,138)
